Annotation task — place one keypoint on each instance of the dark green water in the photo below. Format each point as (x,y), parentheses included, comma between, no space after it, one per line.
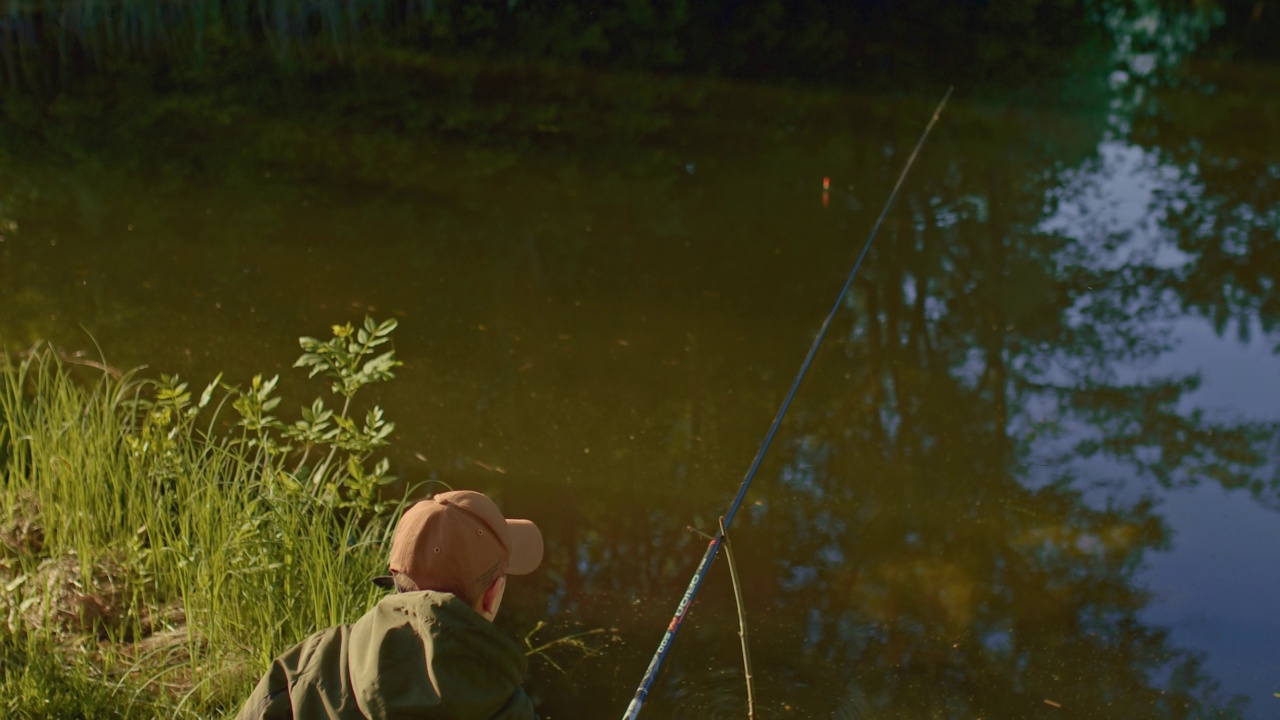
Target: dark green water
(998,493)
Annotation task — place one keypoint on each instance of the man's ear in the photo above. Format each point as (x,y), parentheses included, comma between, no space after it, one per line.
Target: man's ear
(492,598)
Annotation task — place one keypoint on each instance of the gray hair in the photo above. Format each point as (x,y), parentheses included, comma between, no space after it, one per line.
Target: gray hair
(404,583)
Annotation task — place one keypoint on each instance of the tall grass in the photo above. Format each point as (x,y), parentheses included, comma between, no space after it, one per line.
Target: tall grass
(165,562)
(38,35)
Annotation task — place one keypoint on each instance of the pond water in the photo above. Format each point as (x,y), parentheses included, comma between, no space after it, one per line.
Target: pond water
(1000,492)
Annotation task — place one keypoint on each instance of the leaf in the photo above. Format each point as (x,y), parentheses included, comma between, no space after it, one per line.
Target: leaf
(318,474)
(380,366)
(207,395)
(384,431)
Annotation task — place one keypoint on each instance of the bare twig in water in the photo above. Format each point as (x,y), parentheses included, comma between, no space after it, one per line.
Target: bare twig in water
(705,536)
(742,620)
(76,358)
(576,641)
(742,610)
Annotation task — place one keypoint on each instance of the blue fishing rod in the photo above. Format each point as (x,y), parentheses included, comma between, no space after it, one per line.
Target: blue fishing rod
(713,548)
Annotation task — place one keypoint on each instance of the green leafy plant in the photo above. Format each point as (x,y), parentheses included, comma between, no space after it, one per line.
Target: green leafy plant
(325,454)
(161,422)
(340,444)
(145,568)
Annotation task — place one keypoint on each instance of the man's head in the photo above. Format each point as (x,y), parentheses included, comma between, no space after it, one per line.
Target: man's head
(459,542)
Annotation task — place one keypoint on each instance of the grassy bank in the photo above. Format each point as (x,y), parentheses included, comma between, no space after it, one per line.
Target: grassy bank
(157,548)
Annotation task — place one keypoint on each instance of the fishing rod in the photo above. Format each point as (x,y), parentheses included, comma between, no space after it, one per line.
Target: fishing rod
(650,674)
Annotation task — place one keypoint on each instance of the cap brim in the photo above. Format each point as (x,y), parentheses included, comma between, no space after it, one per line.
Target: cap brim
(385,581)
(526,547)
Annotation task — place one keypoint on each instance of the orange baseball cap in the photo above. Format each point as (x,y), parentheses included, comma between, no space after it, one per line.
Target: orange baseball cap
(459,542)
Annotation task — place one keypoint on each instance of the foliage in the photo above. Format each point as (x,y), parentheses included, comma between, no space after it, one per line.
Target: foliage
(196,546)
(828,40)
(343,359)
(265,439)
(36,683)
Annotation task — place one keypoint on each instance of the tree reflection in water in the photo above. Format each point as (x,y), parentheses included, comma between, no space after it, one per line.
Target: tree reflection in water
(926,542)
(929,520)
(932,536)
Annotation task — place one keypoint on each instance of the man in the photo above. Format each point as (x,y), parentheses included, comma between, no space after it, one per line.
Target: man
(430,650)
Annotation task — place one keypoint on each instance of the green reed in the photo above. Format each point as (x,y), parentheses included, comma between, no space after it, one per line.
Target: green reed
(37,35)
(175,552)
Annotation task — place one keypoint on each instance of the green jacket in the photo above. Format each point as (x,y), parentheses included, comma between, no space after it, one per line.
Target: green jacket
(420,655)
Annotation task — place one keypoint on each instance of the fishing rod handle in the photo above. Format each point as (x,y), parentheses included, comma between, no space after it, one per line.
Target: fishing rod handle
(682,608)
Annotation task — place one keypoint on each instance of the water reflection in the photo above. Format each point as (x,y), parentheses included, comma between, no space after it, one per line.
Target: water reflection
(602,299)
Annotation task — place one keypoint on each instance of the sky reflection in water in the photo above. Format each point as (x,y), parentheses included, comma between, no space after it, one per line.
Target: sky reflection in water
(1207,585)
(598,329)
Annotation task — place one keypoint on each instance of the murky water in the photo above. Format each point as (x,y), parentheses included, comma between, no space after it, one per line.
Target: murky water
(996,494)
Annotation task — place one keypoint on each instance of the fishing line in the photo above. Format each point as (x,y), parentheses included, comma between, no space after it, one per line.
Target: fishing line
(642,692)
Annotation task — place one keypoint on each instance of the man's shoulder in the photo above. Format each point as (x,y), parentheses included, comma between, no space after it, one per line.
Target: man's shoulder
(445,624)
(422,599)
(474,669)
(316,661)
(429,608)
